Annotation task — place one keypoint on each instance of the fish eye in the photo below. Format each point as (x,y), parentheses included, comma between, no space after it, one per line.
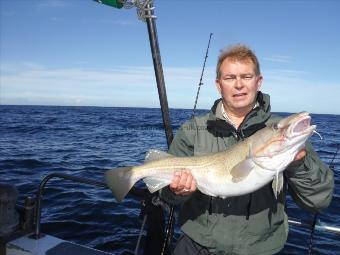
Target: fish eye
(275,126)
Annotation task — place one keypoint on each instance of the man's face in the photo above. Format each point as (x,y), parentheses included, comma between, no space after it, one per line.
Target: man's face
(238,84)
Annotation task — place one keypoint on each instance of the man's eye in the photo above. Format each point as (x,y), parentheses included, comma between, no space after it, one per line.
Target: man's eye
(229,78)
(247,77)
(275,126)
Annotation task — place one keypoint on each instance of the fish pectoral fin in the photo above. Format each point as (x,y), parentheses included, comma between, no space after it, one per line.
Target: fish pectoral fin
(153,184)
(277,184)
(242,170)
(153,154)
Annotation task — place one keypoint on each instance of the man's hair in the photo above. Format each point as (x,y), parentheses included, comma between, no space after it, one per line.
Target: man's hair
(240,53)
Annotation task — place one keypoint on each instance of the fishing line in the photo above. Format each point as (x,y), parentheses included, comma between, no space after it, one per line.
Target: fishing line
(314,131)
(331,165)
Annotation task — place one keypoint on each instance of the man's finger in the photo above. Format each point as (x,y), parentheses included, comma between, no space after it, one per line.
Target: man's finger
(188,182)
(300,155)
(193,185)
(183,180)
(175,181)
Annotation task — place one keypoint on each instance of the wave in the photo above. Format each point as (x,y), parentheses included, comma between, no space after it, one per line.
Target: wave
(86,141)
(22,163)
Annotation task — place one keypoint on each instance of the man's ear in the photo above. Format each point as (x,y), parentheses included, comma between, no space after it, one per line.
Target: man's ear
(218,86)
(259,82)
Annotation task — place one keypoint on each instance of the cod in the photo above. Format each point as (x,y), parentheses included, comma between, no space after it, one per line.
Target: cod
(243,168)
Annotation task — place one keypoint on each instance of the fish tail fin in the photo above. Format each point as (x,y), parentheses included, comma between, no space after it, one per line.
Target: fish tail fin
(120,181)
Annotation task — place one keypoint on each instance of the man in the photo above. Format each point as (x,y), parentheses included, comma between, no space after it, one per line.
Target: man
(254,223)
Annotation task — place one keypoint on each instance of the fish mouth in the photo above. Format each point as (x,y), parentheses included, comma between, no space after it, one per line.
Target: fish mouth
(301,126)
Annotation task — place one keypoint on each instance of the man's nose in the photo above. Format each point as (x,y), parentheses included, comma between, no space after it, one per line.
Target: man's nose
(239,82)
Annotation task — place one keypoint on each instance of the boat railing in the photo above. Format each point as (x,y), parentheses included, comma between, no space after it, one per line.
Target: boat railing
(143,194)
(319,226)
(140,193)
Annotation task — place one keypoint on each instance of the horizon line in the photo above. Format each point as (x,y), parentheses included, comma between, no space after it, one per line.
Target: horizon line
(142,107)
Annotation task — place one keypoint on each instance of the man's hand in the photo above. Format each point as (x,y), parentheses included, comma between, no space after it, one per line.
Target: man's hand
(183,183)
(300,155)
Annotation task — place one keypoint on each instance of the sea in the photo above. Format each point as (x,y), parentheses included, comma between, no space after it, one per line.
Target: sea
(86,141)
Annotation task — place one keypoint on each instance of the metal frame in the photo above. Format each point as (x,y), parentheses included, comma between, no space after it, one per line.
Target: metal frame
(37,230)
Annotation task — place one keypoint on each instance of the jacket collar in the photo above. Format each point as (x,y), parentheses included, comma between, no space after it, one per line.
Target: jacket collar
(254,120)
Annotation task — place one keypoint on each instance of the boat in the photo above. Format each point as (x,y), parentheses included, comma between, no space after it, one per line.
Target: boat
(25,236)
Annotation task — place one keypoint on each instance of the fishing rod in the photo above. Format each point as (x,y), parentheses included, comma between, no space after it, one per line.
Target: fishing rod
(316,224)
(170,225)
(201,83)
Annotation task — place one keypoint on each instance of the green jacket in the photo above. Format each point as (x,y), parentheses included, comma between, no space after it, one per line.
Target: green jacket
(254,223)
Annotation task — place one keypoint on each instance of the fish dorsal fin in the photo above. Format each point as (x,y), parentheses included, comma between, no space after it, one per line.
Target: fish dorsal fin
(242,170)
(153,184)
(153,154)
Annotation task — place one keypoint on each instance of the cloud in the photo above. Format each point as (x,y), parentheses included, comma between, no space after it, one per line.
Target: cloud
(32,83)
(285,75)
(292,91)
(126,85)
(279,59)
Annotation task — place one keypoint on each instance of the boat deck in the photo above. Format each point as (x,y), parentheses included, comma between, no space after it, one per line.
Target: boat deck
(48,245)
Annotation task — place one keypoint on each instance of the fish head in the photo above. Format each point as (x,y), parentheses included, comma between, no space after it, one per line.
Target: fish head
(275,146)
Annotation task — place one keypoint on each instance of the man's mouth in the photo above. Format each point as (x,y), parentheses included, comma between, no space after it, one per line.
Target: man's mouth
(239,94)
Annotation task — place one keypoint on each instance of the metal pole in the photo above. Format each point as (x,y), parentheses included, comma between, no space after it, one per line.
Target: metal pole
(310,247)
(157,63)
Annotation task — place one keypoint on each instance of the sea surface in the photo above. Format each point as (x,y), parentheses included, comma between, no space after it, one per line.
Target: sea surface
(85,141)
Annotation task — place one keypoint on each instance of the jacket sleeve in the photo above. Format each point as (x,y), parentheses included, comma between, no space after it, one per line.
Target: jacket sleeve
(181,146)
(310,182)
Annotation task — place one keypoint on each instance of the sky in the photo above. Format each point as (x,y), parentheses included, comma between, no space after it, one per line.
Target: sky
(82,53)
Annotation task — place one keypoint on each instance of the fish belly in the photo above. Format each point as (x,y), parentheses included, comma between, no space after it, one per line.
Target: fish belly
(227,188)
